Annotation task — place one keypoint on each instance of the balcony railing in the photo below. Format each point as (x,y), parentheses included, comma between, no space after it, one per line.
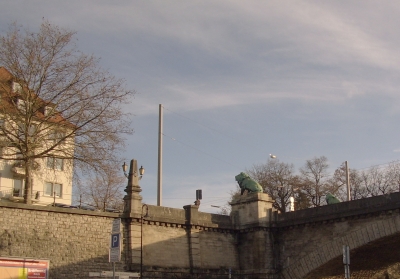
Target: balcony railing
(16,195)
(18,168)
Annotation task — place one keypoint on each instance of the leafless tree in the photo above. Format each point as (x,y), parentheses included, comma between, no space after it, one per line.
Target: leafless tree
(105,190)
(337,184)
(394,169)
(278,180)
(378,181)
(314,175)
(64,104)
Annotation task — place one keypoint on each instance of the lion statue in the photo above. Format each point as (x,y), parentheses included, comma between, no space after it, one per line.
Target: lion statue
(331,199)
(247,183)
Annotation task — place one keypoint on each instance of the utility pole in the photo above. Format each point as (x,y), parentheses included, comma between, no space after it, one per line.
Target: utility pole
(160,135)
(348,181)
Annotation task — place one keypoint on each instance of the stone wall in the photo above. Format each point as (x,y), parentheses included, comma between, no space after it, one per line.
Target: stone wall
(75,241)
(175,241)
(254,242)
(187,241)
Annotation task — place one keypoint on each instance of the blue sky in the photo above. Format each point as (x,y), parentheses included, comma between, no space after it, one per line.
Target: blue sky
(240,80)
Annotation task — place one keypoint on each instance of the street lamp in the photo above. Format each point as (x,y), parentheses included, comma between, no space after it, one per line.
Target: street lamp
(141,238)
(125,167)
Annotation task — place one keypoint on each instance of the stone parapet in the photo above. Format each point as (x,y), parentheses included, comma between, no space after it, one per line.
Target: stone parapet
(340,210)
(252,210)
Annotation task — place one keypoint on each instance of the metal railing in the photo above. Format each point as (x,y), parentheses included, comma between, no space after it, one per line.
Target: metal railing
(17,194)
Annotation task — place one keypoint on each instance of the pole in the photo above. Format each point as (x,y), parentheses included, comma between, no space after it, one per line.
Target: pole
(346,261)
(348,181)
(160,134)
(141,246)
(113,270)
(141,239)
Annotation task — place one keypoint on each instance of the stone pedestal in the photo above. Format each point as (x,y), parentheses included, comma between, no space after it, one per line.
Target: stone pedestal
(253,216)
(252,210)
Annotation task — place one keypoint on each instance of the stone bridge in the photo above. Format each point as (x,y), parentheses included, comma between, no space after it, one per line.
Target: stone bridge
(253,242)
(293,244)
(310,238)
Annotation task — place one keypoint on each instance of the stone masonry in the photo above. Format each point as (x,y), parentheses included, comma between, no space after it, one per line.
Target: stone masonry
(254,242)
(75,241)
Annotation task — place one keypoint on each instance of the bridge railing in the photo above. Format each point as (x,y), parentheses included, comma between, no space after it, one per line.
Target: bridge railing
(340,210)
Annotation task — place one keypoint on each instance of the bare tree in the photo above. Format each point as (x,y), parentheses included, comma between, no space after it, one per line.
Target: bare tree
(394,168)
(337,184)
(105,190)
(278,180)
(58,102)
(314,175)
(378,181)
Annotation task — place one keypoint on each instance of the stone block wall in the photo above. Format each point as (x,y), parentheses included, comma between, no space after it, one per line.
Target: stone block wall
(175,241)
(75,241)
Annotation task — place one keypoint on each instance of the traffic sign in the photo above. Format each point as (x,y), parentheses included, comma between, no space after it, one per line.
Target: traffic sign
(115,239)
(115,248)
(116,225)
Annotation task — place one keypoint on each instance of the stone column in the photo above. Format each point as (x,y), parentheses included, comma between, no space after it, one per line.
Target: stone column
(132,218)
(253,216)
(133,199)
(253,209)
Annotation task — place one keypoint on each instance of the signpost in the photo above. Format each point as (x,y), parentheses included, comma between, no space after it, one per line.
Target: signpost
(115,244)
(115,248)
(346,261)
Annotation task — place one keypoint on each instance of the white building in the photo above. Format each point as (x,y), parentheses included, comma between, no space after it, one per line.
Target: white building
(51,175)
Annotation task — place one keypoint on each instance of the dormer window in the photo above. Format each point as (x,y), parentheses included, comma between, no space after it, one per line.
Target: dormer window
(16,87)
(47,110)
(21,104)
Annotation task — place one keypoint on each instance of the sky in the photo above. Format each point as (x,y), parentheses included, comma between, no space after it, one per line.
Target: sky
(239,80)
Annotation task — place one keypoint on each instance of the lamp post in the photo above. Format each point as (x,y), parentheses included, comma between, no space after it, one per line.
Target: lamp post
(125,167)
(141,238)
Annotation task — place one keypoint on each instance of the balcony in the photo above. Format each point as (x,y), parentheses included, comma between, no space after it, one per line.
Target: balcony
(18,168)
(16,195)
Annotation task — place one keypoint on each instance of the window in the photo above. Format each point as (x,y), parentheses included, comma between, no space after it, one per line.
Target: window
(22,128)
(18,188)
(48,110)
(52,189)
(55,163)
(56,136)
(21,104)
(16,87)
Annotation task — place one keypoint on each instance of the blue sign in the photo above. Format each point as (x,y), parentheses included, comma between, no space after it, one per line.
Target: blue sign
(115,238)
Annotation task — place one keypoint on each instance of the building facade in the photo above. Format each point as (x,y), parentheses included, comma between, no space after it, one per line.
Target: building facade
(32,127)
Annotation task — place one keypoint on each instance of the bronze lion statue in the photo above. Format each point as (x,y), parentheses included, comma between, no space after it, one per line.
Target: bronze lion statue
(331,199)
(247,183)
